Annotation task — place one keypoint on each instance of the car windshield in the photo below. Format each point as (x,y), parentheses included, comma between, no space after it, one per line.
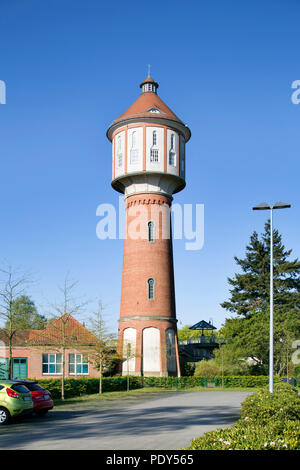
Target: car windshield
(19,388)
(34,387)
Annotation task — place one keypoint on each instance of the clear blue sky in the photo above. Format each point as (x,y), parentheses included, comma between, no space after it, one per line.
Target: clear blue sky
(71,67)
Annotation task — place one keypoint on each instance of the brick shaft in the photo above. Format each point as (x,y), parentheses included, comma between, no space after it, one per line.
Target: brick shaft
(143,260)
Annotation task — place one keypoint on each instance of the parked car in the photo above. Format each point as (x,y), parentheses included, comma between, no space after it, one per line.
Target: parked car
(42,400)
(15,400)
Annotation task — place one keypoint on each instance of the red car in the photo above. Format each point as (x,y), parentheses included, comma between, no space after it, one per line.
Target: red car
(42,401)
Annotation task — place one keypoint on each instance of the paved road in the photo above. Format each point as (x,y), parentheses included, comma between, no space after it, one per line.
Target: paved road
(160,421)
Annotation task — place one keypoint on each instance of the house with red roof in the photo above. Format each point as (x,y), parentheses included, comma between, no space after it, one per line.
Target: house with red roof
(37,354)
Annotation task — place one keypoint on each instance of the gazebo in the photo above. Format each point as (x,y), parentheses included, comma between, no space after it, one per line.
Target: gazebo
(203,325)
(196,349)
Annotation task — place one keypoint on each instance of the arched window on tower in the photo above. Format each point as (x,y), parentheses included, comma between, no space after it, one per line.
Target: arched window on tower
(134,153)
(172,154)
(119,151)
(154,152)
(151,231)
(150,288)
(154,138)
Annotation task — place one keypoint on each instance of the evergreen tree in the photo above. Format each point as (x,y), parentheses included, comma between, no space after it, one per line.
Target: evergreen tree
(250,292)
(25,315)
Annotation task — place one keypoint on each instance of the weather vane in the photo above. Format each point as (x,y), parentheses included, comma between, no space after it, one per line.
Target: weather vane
(149,70)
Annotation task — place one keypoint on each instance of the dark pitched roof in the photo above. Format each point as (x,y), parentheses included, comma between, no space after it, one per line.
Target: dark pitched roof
(203,325)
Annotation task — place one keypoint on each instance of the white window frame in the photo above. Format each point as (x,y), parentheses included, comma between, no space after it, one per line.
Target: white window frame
(81,362)
(55,362)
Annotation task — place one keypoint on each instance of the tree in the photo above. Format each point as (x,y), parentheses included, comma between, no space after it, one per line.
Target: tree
(59,335)
(185,333)
(26,316)
(250,297)
(103,351)
(250,290)
(249,340)
(12,286)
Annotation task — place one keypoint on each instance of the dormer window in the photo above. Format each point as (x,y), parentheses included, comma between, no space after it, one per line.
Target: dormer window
(153,110)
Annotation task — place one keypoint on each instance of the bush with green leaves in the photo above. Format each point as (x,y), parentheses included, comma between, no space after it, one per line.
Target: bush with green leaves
(268,422)
(239,381)
(263,406)
(87,386)
(274,436)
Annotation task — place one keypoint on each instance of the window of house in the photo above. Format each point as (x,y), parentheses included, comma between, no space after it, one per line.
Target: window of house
(78,364)
(150,289)
(52,364)
(151,231)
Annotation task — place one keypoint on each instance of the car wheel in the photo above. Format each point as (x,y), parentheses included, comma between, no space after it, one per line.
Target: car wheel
(42,412)
(4,416)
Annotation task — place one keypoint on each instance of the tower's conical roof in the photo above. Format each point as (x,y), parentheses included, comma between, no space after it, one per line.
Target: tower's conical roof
(148,104)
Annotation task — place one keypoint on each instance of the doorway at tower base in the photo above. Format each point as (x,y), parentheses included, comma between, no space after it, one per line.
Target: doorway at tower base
(150,353)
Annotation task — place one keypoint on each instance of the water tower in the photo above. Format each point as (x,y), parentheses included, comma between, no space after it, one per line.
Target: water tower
(148,167)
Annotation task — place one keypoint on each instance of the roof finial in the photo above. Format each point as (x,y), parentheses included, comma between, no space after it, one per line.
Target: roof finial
(149,70)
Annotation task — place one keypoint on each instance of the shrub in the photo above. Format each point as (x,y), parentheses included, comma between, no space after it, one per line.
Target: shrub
(87,386)
(268,422)
(274,436)
(208,369)
(283,404)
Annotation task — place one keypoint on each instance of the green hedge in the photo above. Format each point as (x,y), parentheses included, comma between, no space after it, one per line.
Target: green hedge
(87,386)
(239,381)
(268,422)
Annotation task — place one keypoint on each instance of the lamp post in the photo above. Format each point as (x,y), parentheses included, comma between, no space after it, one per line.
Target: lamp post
(261,207)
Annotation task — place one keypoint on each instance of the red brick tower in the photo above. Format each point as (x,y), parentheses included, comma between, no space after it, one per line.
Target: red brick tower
(148,143)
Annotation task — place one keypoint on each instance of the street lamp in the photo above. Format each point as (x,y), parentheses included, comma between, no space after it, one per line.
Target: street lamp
(261,207)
